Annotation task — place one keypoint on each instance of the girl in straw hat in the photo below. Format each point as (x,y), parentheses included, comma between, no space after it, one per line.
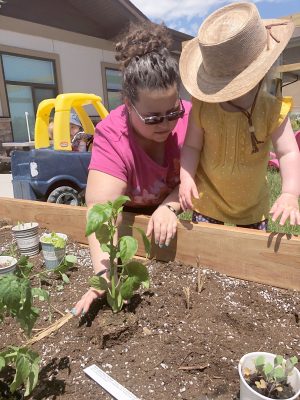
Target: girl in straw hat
(233,122)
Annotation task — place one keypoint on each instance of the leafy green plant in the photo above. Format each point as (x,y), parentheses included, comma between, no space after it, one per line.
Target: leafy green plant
(271,380)
(17,298)
(57,241)
(127,277)
(68,261)
(26,363)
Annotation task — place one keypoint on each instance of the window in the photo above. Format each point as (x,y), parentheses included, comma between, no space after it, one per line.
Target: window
(28,81)
(114,87)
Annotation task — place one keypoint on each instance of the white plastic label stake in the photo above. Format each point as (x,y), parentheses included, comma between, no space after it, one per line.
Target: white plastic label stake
(114,388)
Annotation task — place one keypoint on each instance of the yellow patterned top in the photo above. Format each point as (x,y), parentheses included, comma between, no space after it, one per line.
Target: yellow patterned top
(231,181)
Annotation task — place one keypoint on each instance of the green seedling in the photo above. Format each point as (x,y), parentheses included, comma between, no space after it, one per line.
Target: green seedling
(127,276)
(271,379)
(57,241)
(17,298)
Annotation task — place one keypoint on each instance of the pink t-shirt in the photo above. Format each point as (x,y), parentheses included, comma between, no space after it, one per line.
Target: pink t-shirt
(115,152)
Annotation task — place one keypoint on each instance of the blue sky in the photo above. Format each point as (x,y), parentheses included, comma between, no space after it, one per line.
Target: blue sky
(187,15)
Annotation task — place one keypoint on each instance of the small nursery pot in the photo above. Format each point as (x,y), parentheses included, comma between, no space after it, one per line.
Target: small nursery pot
(247,361)
(27,238)
(53,256)
(7,264)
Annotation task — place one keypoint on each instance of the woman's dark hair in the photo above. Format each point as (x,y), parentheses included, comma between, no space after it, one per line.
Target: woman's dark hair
(145,60)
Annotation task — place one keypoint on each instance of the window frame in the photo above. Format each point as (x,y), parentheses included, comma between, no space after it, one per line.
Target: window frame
(33,54)
(104,67)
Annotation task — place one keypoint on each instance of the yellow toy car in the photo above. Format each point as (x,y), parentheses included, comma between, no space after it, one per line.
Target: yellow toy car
(52,171)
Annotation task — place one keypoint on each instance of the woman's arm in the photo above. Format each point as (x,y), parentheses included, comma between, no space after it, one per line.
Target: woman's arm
(287,151)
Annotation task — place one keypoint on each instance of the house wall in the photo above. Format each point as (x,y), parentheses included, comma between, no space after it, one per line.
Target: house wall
(78,57)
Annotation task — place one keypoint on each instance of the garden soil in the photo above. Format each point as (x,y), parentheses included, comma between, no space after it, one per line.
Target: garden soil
(170,342)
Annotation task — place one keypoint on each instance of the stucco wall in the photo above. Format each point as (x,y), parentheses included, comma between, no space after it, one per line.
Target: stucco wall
(80,65)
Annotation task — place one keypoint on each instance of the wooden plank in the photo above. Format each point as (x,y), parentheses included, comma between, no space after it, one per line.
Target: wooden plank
(272,259)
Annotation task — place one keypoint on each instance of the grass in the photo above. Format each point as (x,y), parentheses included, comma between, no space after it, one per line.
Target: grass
(274,180)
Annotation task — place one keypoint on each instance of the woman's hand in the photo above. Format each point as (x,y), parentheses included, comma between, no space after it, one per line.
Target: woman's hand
(187,189)
(86,300)
(163,223)
(286,206)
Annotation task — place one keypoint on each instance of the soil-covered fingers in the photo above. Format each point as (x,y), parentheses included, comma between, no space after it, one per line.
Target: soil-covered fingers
(85,302)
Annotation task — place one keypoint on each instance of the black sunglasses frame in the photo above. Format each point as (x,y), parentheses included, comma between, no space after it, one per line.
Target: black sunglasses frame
(158,119)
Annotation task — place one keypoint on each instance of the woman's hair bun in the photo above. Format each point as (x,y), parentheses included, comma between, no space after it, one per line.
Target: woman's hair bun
(141,40)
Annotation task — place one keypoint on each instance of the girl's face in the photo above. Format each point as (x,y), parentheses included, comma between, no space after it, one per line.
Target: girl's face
(74,129)
(154,103)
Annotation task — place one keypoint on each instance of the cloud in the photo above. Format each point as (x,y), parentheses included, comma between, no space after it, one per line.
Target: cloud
(170,10)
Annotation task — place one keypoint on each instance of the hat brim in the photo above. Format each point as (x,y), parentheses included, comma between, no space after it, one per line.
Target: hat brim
(213,89)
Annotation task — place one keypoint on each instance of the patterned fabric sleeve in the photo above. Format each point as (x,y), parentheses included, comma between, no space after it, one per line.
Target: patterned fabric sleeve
(196,111)
(279,111)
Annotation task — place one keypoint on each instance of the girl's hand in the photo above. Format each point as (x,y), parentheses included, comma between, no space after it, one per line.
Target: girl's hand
(187,189)
(286,206)
(163,223)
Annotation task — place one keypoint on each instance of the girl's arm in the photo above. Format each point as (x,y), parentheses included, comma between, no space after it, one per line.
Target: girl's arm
(287,151)
(189,162)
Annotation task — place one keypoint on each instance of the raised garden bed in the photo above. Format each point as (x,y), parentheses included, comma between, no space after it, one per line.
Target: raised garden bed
(157,347)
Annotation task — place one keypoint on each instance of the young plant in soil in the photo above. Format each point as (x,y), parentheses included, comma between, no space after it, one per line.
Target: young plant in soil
(57,241)
(270,380)
(17,300)
(127,276)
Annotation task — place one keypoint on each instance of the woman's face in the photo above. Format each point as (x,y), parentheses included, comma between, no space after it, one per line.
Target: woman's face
(154,103)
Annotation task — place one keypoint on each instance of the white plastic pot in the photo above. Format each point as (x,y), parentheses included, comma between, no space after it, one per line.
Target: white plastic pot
(53,256)
(27,238)
(247,361)
(7,264)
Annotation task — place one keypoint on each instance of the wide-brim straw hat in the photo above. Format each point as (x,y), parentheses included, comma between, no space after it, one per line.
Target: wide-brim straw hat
(233,51)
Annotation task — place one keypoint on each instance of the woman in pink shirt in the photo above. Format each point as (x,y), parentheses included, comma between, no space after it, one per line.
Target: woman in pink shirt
(136,149)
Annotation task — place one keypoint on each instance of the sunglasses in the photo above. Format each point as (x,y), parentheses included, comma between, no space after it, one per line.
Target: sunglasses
(158,119)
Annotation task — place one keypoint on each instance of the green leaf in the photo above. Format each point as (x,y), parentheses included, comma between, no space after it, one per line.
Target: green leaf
(103,234)
(139,272)
(98,282)
(278,360)
(279,374)
(22,371)
(119,202)
(33,376)
(2,362)
(146,241)
(105,248)
(42,294)
(259,362)
(97,215)
(71,259)
(268,369)
(293,360)
(128,247)
(65,278)
(128,287)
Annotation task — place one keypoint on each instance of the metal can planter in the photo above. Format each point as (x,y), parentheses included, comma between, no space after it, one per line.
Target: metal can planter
(53,256)
(7,264)
(27,238)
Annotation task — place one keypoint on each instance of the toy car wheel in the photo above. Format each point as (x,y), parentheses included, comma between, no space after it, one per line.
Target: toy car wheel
(64,195)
